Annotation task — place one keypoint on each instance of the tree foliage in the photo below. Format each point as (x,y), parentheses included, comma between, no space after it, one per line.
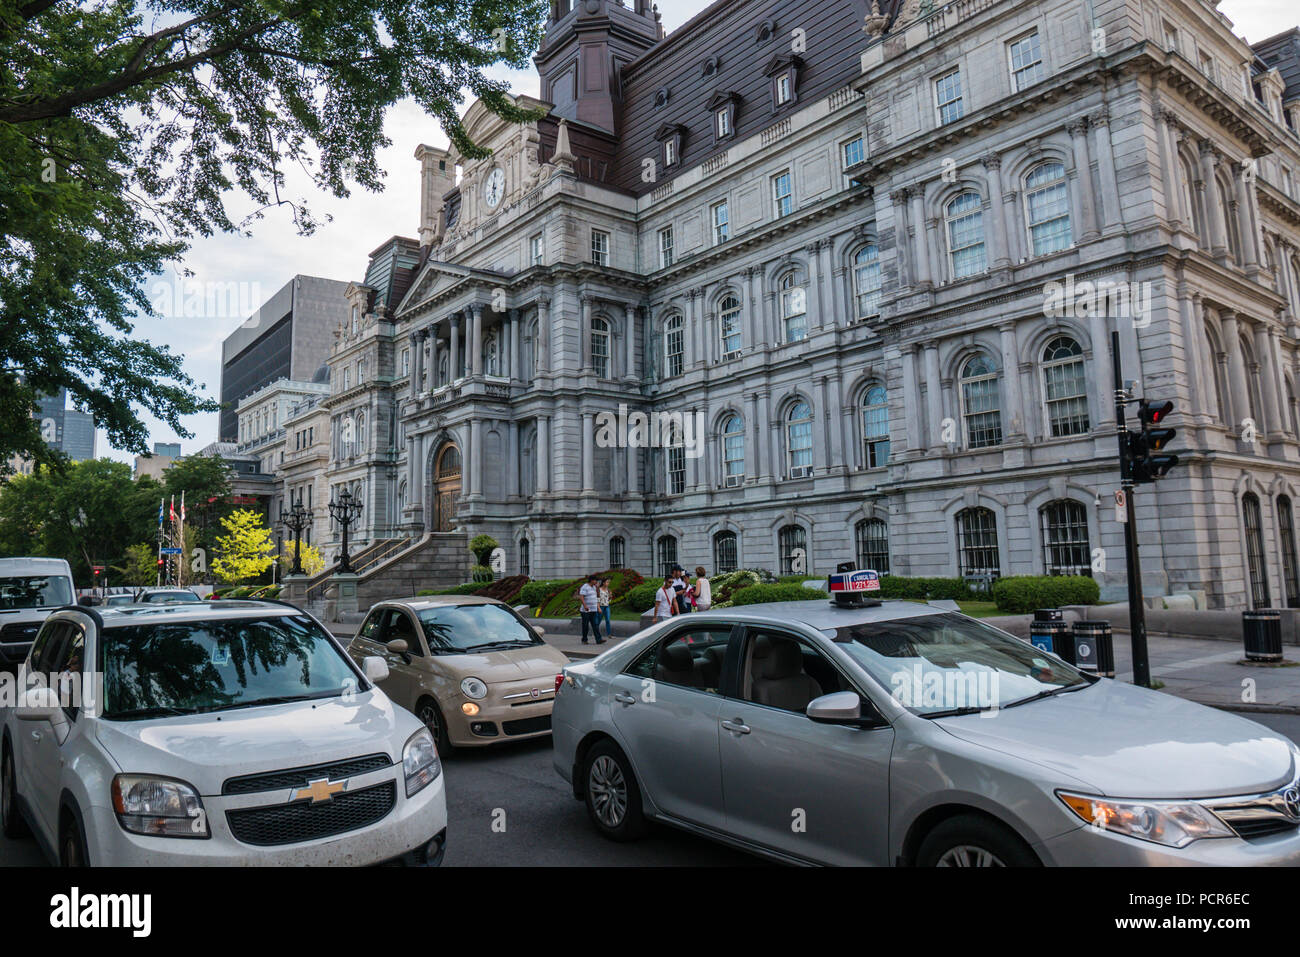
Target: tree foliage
(313,562)
(246,550)
(124,126)
(139,566)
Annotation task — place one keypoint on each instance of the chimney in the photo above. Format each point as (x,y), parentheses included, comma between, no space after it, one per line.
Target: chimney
(437,177)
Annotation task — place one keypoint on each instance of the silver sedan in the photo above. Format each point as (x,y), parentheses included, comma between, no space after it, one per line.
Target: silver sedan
(903,734)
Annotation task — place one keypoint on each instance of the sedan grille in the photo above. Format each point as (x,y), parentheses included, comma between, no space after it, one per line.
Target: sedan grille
(301,777)
(304,821)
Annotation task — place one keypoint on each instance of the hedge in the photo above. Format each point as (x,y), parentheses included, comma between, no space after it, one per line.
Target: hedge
(925,589)
(1025,593)
(535,594)
(642,597)
(761,594)
(563,602)
(468,588)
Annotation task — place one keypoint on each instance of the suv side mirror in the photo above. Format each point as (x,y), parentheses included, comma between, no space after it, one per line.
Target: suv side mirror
(839,707)
(38,704)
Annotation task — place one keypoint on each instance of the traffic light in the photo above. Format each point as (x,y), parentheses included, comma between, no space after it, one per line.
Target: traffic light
(1147,459)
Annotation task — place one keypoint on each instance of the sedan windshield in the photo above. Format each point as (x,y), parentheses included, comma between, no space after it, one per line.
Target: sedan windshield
(186,667)
(167,597)
(37,591)
(457,629)
(948,664)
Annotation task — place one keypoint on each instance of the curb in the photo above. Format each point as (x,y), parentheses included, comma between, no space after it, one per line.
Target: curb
(1253,708)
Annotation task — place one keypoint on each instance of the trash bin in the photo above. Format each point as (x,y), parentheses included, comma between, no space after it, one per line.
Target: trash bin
(1261,630)
(1054,637)
(1094,648)
(1049,614)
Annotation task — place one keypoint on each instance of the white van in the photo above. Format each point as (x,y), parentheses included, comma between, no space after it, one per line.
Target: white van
(30,588)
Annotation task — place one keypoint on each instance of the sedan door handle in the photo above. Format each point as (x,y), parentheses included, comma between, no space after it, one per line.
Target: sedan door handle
(738,726)
(624,698)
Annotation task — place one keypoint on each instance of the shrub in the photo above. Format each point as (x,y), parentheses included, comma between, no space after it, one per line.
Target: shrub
(1025,593)
(242,591)
(482,546)
(481,574)
(534,594)
(724,586)
(924,589)
(795,579)
(642,597)
(760,594)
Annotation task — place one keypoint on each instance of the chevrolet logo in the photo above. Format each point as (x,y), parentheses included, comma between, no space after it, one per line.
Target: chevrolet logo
(319,791)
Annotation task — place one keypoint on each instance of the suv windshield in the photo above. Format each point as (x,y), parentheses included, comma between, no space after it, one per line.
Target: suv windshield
(945,664)
(455,629)
(36,591)
(190,666)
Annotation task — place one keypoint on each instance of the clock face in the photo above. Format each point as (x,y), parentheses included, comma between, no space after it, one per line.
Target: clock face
(495,187)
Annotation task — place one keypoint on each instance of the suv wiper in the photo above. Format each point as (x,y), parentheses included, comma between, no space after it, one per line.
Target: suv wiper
(1064,689)
(275,699)
(157,712)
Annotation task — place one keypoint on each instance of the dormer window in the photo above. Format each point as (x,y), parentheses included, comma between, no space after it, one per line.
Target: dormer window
(670,137)
(723,107)
(784,73)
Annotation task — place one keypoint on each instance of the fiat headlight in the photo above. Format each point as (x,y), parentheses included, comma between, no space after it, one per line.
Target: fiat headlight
(475,688)
(1173,823)
(158,807)
(420,762)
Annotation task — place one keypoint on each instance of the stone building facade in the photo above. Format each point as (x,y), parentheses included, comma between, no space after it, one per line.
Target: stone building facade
(870,258)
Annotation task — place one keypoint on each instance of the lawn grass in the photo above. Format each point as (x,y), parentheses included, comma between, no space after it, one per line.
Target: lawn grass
(979,609)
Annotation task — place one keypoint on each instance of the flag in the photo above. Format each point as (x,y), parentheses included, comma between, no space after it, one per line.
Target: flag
(160,511)
(172,512)
(182,506)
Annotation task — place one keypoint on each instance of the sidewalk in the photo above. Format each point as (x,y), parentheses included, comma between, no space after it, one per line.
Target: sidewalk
(1203,670)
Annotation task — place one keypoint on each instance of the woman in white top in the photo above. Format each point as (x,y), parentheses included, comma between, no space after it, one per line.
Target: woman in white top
(665,600)
(703,592)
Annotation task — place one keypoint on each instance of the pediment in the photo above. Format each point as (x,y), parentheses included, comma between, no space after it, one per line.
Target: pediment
(434,278)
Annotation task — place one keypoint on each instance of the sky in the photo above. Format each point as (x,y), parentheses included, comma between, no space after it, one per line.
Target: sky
(264,261)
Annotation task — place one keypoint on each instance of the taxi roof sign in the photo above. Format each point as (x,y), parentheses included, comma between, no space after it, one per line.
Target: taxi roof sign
(850,586)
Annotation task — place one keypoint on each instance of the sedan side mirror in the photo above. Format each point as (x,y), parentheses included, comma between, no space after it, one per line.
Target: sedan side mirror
(374,668)
(839,707)
(539,631)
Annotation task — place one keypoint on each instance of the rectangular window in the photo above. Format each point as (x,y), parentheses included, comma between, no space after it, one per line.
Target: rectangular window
(536,247)
(723,122)
(599,248)
(665,247)
(721,223)
(1171,37)
(406,362)
(670,152)
(784,89)
(676,470)
(947,96)
(783,194)
(1026,62)
(853,152)
(1207,67)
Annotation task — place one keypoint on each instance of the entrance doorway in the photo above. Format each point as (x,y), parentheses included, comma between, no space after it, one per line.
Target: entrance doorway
(446,488)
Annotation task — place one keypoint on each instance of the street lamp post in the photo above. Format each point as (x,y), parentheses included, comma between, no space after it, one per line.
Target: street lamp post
(295,520)
(345,510)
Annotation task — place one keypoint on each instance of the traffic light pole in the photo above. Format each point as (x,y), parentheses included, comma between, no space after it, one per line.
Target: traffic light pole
(1136,609)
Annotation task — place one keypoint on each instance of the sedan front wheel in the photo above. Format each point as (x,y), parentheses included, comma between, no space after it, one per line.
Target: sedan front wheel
(970,840)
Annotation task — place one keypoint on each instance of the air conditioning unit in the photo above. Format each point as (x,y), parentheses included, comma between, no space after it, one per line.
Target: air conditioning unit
(731,355)
(734,481)
(801,471)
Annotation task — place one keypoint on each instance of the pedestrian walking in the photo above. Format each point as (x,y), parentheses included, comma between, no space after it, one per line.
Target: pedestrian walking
(665,600)
(589,599)
(605,597)
(703,590)
(678,578)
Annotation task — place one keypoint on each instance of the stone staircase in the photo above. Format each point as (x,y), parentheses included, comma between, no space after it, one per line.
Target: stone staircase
(438,560)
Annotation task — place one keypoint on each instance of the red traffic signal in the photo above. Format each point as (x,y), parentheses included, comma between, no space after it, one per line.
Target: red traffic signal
(160,561)
(1153,413)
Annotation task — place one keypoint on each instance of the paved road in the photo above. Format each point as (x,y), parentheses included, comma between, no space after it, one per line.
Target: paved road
(543,823)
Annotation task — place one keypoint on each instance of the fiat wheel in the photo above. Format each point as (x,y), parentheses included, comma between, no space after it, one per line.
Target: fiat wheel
(429,715)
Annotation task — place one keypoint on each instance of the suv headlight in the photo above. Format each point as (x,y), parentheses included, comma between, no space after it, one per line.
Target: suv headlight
(420,762)
(158,807)
(475,688)
(1172,823)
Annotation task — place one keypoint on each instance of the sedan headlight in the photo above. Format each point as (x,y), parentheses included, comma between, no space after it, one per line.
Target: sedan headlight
(475,688)
(420,762)
(1172,823)
(158,807)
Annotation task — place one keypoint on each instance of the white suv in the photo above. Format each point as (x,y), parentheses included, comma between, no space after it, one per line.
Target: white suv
(225,732)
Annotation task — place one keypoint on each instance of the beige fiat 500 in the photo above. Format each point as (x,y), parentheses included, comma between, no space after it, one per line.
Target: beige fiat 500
(470,668)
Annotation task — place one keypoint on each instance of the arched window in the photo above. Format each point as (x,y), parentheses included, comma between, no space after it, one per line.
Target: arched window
(667,554)
(1222,193)
(361,432)
(977,543)
(674,348)
(444,368)
(725,553)
(1047,209)
(794,308)
(401,499)
(600,340)
(1066,549)
(981,400)
(875,427)
(525,557)
(733,451)
(729,326)
(1255,551)
(1186,184)
(1065,387)
(349,436)
(792,542)
(1290,573)
(965,226)
(617,549)
(799,440)
(872,539)
(867,280)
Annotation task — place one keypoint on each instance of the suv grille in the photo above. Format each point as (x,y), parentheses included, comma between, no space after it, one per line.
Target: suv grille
(20,631)
(300,777)
(303,821)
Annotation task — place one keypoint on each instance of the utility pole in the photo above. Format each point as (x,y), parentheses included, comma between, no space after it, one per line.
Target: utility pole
(1136,610)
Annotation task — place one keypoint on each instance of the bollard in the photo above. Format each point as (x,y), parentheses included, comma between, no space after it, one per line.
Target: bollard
(1094,648)
(1261,631)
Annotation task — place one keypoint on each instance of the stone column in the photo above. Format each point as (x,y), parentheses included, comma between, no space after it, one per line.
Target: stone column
(1078,131)
(753,310)
(1167,131)
(933,399)
(1199,361)
(1238,391)
(453,363)
(1111,213)
(753,463)
(476,340)
(543,454)
(1102,368)
(816,300)
(898,205)
(588,365)
(588,452)
(1245,221)
(1001,258)
(1218,238)
(629,341)
(632,462)
(544,335)
(924,276)
(1015,425)
(911,402)
(412,499)
(512,368)
(512,466)
(474,476)
(1271,389)
(417,361)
